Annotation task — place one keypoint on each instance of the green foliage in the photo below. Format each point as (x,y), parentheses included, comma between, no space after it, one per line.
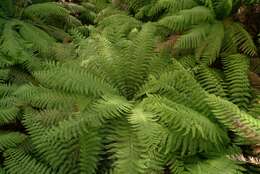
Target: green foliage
(108,100)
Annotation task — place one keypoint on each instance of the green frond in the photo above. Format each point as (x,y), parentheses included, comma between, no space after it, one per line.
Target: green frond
(7,7)
(12,45)
(210,81)
(215,166)
(10,140)
(90,148)
(186,18)
(191,132)
(126,149)
(222,8)
(236,120)
(236,75)
(188,62)
(8,115)
(193,38)
(41,97)
(137,57)
(119,23)
(18,161)
(181,87)
(170,5)
(147,129)
(109,11)
(40,40)
(242,39)
(209,50)
(72,79)
(4,74)
(61,155)
(254,108)
(109,107)
(47,11)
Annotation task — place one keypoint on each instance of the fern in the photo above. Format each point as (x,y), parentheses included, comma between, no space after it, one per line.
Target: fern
(236,68)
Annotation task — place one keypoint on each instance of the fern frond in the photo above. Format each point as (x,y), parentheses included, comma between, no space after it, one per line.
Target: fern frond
(18,161)
(186,18)
(10,140)
(126,149)
(137,57)
(209,50)
(236,120)
(12,45)
(170,5)
(90,148)
(73,79)
(44,98)
(191,131)
(236,73)
(8,115)
(242,39)
(180,87)
(44,11)
(193,38)
(215,166)
(210,82)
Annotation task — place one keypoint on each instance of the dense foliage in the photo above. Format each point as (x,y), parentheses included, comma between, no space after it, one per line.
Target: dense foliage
(127,87)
